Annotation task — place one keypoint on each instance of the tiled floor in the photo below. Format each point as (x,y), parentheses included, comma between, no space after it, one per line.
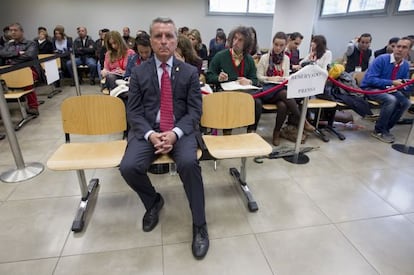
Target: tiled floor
(350,210)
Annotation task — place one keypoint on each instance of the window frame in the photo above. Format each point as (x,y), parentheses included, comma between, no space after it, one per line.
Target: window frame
(247,13)
(379,12)
(397,12)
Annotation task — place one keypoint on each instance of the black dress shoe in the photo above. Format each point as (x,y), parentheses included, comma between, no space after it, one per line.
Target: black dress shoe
(201,242)
(32,111)
(150,219)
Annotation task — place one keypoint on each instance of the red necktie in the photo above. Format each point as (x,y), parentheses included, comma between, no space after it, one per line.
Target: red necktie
(395,71)
(361,55)
(166,106)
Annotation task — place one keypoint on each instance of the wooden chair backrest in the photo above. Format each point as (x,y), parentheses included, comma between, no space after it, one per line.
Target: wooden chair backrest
(227,110)
(41,56)
(93,115)
(358,76)
(19,78)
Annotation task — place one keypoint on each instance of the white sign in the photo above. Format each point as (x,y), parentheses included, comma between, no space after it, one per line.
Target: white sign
(51,71)
(308,81)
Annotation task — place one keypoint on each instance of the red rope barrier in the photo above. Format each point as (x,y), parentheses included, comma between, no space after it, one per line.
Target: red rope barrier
(372,92)
(271,90)
(341,85)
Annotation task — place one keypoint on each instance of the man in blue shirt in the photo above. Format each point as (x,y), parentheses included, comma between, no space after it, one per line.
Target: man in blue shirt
(389,70)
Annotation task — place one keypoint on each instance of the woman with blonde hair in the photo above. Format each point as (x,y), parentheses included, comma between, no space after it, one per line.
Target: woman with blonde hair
(195,38)
(116,58)
(185,52)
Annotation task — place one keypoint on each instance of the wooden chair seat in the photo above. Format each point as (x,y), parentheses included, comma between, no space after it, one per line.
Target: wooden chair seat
(166,159)
(16,94)
(94,155)
(313,103)
(317,103)
(236,146)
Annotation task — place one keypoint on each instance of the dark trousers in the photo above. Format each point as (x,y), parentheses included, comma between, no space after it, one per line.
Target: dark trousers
(140,154)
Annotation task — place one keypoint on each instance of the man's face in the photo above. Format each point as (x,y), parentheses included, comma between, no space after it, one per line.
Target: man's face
(401,50)
(125,32)
(238,43)
(82,32)
(163,40)
(16,33)
(364,43)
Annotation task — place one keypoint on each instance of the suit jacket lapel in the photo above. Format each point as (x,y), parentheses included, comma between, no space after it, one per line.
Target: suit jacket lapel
(155,83)
(175,73)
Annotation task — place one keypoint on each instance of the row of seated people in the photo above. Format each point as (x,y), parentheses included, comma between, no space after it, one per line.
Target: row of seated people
(235,63)
(232,63)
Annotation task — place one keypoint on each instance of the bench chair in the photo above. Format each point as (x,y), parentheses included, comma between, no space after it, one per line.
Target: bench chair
(229,110)
(19,83)
(89,115)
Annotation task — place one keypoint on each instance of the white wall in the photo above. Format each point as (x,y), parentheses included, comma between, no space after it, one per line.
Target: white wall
(287,19)
(137,14)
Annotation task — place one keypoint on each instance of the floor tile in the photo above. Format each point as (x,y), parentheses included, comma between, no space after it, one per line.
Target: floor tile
(344,198)
(394,185)
(316,250)
(147,260)
(34,229)
(387,243)
(40,267)
(114,223)
(237,255)
(283,205)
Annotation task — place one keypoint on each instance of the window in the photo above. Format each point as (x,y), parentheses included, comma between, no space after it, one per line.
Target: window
(242,6)
(349,7)
(366,5)
(406,5)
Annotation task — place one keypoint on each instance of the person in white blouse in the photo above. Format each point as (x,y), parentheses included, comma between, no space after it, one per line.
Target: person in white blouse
(272,69)
(319,54)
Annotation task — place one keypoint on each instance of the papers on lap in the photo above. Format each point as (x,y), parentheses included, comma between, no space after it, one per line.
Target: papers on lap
(235,85)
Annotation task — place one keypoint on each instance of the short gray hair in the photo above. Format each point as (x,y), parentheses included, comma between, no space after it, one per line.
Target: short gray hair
(163,20)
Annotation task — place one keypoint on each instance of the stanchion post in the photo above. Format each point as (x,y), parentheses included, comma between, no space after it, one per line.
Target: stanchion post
(297,157)
(75,73)
(23,172)
(406,148)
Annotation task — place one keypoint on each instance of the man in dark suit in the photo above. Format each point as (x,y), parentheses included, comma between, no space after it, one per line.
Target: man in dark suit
(147,139)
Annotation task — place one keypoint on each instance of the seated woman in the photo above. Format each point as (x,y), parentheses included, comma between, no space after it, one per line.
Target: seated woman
(201,49)
(185,52)
(116,58)
(272,68)
(144,51)
(319,54)
(62,44)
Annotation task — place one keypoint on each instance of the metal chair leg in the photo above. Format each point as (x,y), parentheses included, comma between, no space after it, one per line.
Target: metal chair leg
(88,193)
(240,177)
